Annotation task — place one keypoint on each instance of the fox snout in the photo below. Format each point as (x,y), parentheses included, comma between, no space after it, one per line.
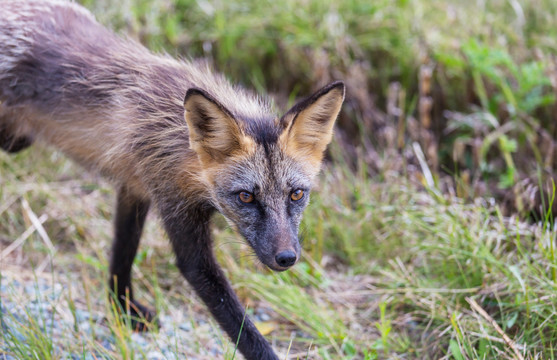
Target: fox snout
(286,258)
(282,261)
(278,249)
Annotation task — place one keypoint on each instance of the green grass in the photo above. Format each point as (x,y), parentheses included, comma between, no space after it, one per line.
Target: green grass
(392,267)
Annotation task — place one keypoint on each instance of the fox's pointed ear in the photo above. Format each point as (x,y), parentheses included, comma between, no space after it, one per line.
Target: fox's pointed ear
(215,135)
(308,126)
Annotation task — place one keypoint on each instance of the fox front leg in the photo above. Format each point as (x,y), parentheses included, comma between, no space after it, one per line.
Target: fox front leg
(191,239)
(131,212)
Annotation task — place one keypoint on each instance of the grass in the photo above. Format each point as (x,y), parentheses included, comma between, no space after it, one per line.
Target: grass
(395,265)
(389,271)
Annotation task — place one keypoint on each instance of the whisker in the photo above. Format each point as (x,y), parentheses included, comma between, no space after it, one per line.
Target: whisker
(302,234)
(231,242)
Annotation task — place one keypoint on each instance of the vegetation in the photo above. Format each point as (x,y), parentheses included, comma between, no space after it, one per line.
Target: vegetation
(431,234)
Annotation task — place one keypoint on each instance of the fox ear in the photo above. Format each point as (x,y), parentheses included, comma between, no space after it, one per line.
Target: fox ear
(215,135)
(308,126)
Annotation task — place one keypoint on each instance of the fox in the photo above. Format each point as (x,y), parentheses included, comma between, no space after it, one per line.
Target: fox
(170,134)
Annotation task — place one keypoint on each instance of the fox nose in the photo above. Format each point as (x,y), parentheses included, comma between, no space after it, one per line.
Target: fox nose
(286,258)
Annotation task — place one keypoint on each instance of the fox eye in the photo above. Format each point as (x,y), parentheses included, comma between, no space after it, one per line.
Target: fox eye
(297,195)
(246,197)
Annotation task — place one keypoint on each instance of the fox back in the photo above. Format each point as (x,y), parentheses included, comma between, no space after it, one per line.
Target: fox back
(168,132)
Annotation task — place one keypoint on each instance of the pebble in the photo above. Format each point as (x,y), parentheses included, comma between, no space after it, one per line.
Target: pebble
(171,355)
(262,316)
(185,326)
(155,355)
(85,327)
(82,315)
(107,344)
(138,339)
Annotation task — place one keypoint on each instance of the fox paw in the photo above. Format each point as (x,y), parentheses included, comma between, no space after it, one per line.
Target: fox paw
(140,317)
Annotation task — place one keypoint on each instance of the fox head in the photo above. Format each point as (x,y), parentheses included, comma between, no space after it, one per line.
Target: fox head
(260,171)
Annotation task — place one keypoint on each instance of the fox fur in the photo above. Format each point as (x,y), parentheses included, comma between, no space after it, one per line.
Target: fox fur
(168,133)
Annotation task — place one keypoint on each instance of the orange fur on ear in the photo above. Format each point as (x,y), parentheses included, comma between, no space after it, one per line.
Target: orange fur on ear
(214,133)
(309,124)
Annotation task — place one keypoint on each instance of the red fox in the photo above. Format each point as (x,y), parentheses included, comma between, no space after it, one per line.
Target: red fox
(168,133)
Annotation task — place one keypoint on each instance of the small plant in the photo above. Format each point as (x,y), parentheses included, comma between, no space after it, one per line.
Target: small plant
(384,327)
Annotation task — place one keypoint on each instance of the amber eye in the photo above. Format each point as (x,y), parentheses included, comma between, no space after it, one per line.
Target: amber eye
(246,197)
(297,195)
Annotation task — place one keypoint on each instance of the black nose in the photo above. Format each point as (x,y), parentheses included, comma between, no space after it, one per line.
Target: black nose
(286,258)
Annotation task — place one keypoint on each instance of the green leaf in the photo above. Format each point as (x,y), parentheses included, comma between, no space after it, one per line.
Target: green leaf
(455,350)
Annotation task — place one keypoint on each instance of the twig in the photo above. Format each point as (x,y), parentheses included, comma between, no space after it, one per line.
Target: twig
(416,291)
(21,239)
(38,225)
(423,164)
(493,323)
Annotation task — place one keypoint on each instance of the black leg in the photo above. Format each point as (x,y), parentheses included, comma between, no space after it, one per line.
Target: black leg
(191,240)
(11,143)
(130,217)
